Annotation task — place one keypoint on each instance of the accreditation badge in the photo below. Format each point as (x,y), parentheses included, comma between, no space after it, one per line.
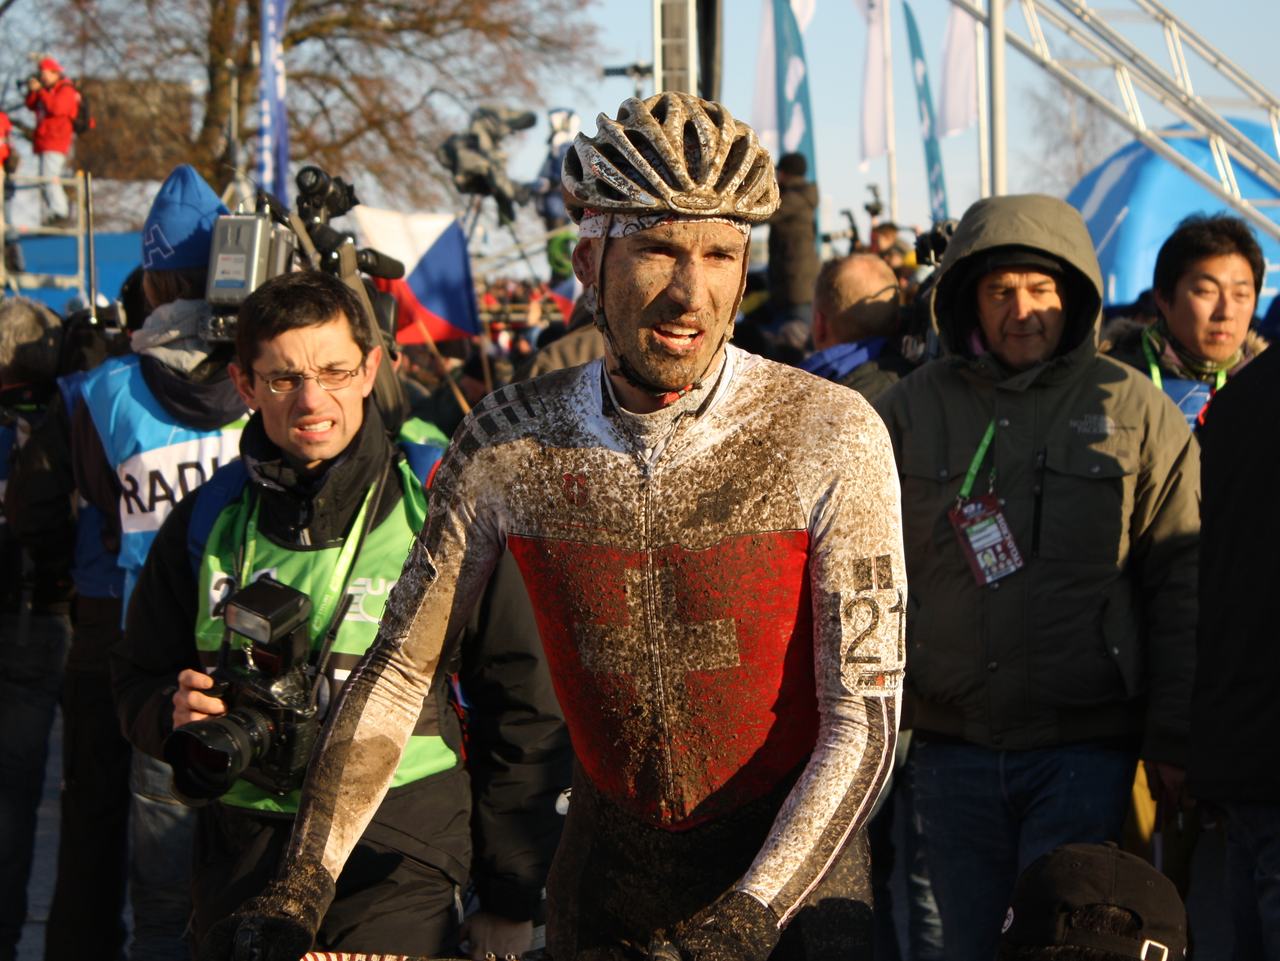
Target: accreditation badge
(985,538)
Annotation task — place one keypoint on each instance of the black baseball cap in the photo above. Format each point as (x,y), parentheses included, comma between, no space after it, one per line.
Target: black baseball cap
(1077,875)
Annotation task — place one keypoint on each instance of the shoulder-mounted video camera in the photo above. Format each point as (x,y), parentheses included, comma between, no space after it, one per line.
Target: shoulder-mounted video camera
(477,163)
(248,249)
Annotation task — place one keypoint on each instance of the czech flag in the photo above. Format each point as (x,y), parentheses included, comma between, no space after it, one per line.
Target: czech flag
(436,293)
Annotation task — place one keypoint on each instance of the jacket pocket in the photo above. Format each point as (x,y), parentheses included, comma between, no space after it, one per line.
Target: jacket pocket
(1084,503)
(930,483)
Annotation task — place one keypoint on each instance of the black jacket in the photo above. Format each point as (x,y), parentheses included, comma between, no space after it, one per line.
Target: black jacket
(1234,710)
(517,750)
(793,248)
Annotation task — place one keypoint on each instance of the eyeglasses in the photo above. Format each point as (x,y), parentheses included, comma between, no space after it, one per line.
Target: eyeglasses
(330,379)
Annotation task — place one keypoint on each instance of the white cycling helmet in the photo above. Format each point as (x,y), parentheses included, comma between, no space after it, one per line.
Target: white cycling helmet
(671,152)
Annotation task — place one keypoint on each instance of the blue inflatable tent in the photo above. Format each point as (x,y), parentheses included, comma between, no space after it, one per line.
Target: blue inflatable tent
(1133,200)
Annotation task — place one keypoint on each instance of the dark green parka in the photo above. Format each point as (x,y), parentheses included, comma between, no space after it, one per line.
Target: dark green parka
(1094,639)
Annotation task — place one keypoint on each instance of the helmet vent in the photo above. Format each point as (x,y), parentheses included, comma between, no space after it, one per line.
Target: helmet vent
(732,163)
(573,164)
(610,192)
(619,162)
(692,151)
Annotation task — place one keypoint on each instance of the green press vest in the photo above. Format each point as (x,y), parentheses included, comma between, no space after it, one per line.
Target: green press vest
(373,574)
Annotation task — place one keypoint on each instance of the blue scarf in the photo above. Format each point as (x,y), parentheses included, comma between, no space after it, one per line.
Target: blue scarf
(836,363)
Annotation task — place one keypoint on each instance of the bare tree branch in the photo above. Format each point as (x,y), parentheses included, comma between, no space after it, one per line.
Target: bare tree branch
(374,86)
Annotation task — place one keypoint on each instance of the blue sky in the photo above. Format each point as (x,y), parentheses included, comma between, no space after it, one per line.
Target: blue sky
(1247,31)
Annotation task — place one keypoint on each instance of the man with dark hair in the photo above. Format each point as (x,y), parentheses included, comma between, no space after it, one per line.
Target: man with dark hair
(855,325)
(793,258)
(1208,275)
(1093,902)
(322,501)
(1050,506)
(712,544)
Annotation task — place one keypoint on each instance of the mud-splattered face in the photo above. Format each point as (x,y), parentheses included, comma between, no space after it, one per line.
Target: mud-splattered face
(670,293)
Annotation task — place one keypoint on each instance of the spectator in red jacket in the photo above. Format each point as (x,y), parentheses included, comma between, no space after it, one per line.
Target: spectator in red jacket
(9,160)
(56,102)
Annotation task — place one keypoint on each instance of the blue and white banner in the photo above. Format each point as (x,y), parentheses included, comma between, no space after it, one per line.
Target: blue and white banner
(273,123)
(768,105)
(791,83)
(928,123)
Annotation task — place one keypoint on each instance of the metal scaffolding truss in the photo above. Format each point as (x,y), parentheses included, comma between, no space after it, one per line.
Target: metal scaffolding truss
(1135,74)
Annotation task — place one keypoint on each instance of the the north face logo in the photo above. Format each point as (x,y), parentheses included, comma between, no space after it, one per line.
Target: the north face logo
(1097,425)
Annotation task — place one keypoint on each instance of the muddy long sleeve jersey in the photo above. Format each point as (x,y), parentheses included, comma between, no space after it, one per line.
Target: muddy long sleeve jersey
(720,606)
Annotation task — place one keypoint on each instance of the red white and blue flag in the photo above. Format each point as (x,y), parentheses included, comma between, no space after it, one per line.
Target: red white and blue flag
(436,294)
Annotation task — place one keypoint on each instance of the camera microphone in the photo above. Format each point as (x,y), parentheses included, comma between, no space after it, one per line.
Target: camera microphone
(377,264)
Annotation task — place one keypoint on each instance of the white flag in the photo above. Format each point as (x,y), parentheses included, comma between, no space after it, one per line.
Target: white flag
(958,109)
(873,114)
(764,105)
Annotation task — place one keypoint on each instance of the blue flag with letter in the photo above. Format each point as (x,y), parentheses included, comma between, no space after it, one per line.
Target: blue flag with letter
(273,121)
(928,123)
(791,78)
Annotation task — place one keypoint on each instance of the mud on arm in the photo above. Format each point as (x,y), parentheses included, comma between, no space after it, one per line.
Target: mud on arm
(366,733)
(858,580)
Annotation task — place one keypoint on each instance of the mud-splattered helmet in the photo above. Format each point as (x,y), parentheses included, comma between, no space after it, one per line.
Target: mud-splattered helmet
(671,152)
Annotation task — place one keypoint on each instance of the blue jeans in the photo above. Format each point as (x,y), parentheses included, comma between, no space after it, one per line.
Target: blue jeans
(986,814)
(161,843)
(52,164)
(1253,878)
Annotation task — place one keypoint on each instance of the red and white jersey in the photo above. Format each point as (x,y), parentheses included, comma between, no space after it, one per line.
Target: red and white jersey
(720,591)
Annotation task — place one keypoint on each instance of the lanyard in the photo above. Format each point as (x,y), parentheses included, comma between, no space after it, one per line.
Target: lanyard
(1154,368)
(972,473)
(341,570)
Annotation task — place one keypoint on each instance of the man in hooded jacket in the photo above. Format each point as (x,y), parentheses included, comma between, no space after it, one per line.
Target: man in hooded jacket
(1050,503)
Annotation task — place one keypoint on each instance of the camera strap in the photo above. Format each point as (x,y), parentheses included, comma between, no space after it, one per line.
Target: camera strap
(326,606)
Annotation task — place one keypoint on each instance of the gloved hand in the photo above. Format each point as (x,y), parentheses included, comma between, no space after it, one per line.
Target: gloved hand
(280,924)
(736,927)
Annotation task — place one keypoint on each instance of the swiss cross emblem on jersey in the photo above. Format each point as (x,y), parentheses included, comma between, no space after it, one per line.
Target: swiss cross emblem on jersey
(686,676)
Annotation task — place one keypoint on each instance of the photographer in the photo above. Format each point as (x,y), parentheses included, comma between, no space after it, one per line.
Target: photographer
(55,101)
(324,502)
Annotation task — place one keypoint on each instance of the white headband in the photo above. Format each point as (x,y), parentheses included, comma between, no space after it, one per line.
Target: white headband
(595,223)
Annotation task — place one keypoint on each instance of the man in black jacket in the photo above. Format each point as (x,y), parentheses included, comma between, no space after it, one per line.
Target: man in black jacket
(793,258)
(1234,712)
(323,502)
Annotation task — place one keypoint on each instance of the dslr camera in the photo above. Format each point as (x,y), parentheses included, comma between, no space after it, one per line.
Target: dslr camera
(265,676)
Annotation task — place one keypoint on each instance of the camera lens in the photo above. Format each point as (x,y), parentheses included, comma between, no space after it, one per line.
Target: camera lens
(207,756)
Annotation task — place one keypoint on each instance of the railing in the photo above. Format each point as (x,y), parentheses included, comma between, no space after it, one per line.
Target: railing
(13,281)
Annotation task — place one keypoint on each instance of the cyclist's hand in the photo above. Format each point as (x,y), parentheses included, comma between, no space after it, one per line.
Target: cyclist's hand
(736,928)
(280,924)
(189,704)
